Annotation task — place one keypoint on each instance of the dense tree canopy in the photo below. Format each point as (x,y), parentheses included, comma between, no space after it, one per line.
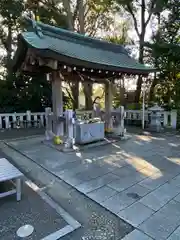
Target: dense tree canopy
(156,24)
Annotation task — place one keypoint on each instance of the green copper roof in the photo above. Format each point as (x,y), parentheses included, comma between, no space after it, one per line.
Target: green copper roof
(80,49)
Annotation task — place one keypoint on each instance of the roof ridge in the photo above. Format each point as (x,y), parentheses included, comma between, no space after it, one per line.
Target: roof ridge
(64,34)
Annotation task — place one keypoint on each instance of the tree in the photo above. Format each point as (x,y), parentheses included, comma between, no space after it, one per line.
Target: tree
(19,93)
(124,39)
(164,51)
(87,17)
(10,12)
(146,10)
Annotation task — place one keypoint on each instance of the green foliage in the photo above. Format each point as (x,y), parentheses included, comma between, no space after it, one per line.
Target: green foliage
(165,52)
(98,15)
(18,94)
(22,93)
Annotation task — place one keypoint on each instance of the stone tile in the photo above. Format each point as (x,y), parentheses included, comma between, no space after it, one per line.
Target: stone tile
(155,180)
(92,172)
(124,171)
(163,223)
(70,165)
(175,235)
(126,182)
(94,184)
(166,165)
(177,198)
(139,163)
(175,181)
(73,181)
(138,191)
(136,214)
(159,197)
(148,171)
(136,235)
(71,172)
(102,194)
(118,202)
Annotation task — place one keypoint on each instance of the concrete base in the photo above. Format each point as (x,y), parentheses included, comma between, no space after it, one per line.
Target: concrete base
(109,139)
(153,128)
(76,147)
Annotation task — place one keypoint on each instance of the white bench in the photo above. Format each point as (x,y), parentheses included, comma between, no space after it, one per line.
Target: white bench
(10,173)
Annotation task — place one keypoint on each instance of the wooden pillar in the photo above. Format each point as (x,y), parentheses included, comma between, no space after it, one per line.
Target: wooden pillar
(108,105)
(57,101)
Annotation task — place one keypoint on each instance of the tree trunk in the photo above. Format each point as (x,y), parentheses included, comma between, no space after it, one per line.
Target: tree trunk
(75,85)
(139,82)
(81,16)
(155,80)
(75,95)
(151,93)
(87,87)
(9,49)
(141,49)
(67,7)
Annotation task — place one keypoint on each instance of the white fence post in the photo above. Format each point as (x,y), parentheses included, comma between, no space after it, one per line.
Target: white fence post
(21,121)
(0,122)
(35,120)
(28,118)
(14,120)
(122,118)
(7,122)
(47,112)
(42,120)
(49,120)
(165,123)
(173,119)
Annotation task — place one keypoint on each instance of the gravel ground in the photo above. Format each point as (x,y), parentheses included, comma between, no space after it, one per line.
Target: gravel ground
(30,210)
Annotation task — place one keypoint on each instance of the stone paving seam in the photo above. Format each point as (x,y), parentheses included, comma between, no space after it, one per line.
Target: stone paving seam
(40,165)
(89,180)
(127,236)
(155,211)
(72,223)
(23,138)
(11,146)
(9,153)
(151,216)
(172,233)
(173,198)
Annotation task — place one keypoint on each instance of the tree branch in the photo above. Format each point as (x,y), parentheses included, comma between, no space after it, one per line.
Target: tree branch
(68,92)
(134,19)
(66,4)
(3,38)
(150,12)
(75,11)
(99,97)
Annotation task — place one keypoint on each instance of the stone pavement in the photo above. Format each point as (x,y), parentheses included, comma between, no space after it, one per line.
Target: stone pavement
(138,180)
(96,222)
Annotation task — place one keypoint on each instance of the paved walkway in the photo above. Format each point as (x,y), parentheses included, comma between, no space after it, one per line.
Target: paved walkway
(96,222)
(138,180)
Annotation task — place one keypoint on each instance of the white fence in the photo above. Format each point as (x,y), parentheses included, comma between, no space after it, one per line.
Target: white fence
(38,119)
(134,117)
(22,120)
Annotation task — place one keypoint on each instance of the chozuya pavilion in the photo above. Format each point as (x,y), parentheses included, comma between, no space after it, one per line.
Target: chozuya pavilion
(64,55)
